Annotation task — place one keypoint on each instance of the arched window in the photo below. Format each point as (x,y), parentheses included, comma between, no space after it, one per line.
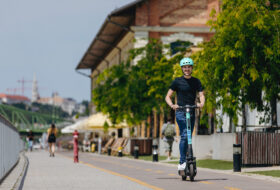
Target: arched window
(179,46)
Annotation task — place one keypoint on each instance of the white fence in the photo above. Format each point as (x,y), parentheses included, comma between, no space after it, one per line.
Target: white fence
(10,147)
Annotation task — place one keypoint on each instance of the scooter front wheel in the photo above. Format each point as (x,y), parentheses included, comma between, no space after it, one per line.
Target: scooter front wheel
(192,172)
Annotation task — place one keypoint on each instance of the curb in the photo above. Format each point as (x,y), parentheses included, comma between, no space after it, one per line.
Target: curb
(20,180)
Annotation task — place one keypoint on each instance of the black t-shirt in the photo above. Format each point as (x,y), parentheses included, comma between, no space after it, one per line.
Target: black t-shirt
(186,90)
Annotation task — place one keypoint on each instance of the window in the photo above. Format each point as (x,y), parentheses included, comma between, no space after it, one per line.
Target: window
(179,46)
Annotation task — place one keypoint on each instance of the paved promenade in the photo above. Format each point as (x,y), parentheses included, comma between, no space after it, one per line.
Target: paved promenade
(60,173)
(107,172)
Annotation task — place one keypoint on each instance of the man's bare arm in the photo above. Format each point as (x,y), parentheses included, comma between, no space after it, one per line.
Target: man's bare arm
(169,101)
(202,99)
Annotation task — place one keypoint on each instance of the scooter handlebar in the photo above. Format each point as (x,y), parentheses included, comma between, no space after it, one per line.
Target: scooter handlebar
(188,106)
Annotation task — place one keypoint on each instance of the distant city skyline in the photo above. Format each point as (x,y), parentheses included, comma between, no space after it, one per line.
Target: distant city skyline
(48,39)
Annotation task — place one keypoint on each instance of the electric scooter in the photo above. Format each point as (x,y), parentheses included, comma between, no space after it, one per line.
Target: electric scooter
(190,169)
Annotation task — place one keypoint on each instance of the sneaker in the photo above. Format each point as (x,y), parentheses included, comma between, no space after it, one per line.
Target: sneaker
(168,159)
(182,166)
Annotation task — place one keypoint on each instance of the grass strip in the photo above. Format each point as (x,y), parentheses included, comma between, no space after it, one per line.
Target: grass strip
(207,163)
(215,164)
(273,173)
(212,164)
(149,158)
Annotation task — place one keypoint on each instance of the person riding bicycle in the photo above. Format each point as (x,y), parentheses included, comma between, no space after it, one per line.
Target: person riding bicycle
(186,88)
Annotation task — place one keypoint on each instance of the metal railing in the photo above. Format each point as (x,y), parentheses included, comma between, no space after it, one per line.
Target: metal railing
(10,147)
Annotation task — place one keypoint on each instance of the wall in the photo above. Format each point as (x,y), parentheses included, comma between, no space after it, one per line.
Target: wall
(10,147)
(217,146)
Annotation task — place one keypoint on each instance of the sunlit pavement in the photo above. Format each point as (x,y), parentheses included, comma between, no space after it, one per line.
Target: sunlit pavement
(107,172)
(61,173)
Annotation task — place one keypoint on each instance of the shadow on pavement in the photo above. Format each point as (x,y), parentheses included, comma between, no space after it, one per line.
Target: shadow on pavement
(168,178)
(217,179)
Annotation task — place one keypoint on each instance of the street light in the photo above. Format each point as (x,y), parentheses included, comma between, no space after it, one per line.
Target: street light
(155,153)
(109,151)
(120,151)
(136,151)
(237,157)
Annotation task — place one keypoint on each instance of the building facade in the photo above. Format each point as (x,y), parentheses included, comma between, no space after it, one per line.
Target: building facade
(132,25)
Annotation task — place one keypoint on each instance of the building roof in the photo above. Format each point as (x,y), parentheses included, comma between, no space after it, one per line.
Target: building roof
(14,97)
(115,26)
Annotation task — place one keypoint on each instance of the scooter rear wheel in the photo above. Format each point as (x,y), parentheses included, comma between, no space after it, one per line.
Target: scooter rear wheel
(192,174)
(184,178)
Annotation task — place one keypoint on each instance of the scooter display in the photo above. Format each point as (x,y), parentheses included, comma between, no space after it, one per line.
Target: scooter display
(190,169)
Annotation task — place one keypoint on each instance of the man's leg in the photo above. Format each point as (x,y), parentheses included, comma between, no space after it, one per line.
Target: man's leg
(181,121)
(170,150)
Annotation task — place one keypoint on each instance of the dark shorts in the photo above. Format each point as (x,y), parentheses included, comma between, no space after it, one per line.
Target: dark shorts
(168,145)
(51,139)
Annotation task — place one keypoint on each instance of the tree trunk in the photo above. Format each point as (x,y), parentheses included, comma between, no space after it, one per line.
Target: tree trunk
(148,127)
(197,121)
(273,104)
(155,128)
(214,125)
(161,121)
(244,117)
(143,127)
(139,130)
(230,125)
(210,123)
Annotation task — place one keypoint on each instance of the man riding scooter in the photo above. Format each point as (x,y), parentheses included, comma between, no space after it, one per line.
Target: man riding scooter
(186,88)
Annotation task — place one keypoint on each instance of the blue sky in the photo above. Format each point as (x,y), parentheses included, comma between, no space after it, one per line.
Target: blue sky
(48,38)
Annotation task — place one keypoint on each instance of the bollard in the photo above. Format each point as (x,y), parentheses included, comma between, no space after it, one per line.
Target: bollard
(237,157)
(136,151)
(99,145)
(155,153)
(76,146)
(120,151)
(93,147)
(109,151)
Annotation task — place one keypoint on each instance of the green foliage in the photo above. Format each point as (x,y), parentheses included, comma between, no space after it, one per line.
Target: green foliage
(242,59)
(130,91)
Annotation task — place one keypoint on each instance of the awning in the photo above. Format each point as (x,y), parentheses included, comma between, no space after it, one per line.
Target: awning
(73,127)
(97,122)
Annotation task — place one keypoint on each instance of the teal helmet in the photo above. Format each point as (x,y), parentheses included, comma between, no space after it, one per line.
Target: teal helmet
(186,61)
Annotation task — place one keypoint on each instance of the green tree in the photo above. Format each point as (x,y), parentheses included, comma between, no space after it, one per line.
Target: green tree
(132,91)
(242,59)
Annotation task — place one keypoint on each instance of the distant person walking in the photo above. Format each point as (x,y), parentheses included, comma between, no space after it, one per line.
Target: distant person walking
(76,146)
(30,139)
(168,132)
(51,136)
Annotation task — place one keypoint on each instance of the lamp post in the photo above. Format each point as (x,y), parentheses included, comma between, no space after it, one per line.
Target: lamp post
(136,151)
(155,153)
(120,151)
(109,151)
(237,157)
